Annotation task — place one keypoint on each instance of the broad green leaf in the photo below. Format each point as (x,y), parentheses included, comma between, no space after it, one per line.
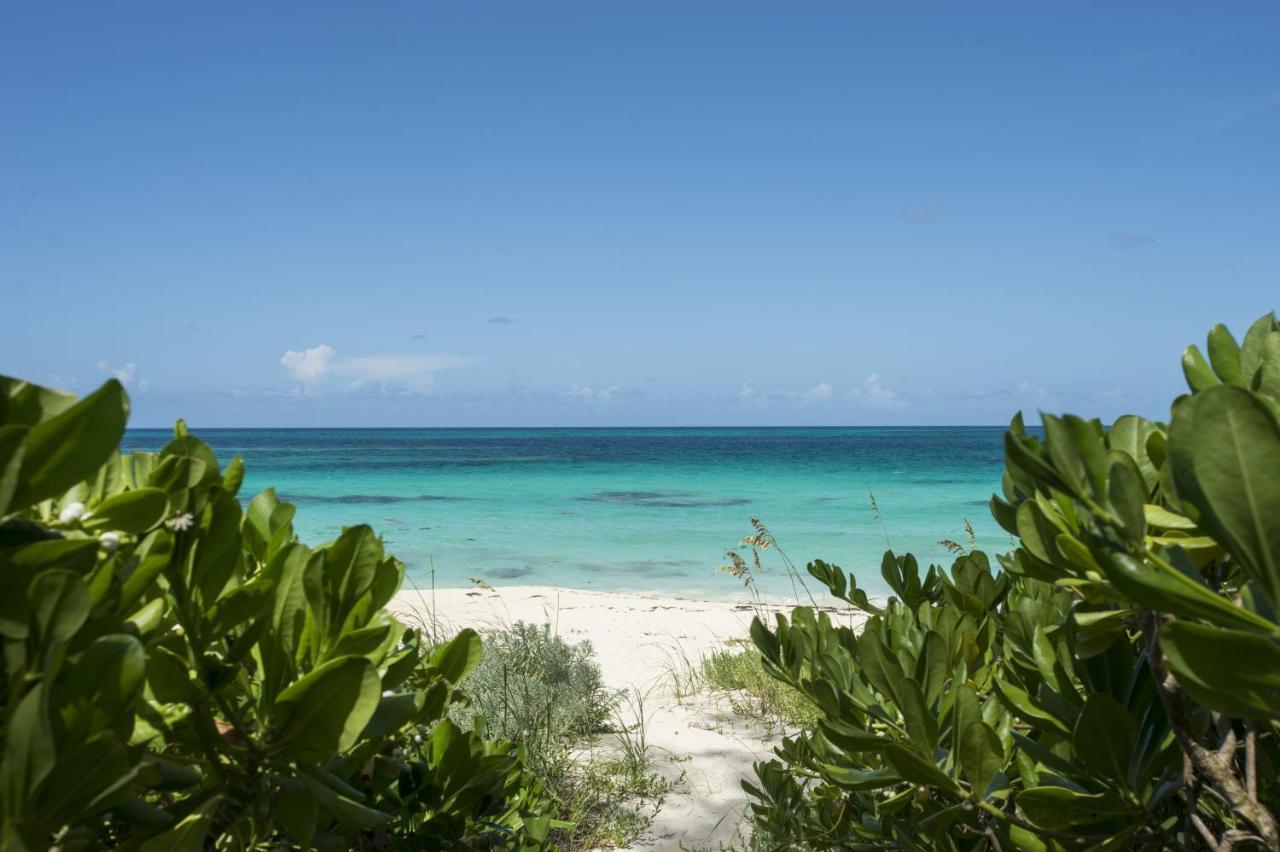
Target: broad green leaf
(87,780)
(189,834)
(458,657)
(29,752)
(12,439)
(1224,355)
(393,713)
(218,552)
(1253,350)
(60,605)
(233,476)
(1166,589)
(1127,495)
(345,809)
(1060,808)
(912,767)
(1105,736)
(1199,374)
(1129,435)
(1231,671)
(1162,518)
(922,725)
(1224,446)
(325,711)
(101,688)
(25,404)
(71,446)
(133,511)
(981,756)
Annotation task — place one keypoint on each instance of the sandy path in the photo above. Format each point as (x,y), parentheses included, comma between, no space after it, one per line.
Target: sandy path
(639,640)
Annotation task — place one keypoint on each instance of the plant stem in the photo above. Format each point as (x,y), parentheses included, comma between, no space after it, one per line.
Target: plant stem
(1213,765)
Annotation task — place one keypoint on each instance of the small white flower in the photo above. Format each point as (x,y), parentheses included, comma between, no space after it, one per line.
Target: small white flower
(417,738)
(71,512)
(109,541)
(181,522)
(387,693)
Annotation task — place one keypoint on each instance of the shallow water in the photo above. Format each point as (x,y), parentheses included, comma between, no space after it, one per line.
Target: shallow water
(626,509)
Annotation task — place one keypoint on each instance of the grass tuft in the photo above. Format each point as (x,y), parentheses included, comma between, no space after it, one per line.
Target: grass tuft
(753,692)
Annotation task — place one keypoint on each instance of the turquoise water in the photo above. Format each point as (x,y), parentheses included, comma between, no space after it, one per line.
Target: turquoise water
(626,509)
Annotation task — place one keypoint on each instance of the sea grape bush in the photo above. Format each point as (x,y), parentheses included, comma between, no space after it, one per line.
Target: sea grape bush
(1113,684)
(181,673)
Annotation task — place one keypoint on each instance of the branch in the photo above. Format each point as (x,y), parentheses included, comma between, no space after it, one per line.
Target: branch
(1214,765)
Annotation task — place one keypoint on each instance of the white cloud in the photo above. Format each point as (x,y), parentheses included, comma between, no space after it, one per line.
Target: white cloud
(821,392)
(126,375)
(588,394)
(818,393)
(308,365)
(875,394)
(321,367)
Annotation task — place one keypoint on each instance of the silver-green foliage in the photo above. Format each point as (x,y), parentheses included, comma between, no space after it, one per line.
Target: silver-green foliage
(1116,685)
(181,673)
(534,687)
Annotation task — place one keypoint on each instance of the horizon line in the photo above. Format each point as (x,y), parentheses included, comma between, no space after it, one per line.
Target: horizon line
(616,427)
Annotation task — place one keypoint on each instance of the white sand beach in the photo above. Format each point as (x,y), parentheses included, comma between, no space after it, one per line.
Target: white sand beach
(642,643)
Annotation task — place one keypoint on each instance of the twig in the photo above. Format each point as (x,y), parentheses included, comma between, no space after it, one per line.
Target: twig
(1214,765)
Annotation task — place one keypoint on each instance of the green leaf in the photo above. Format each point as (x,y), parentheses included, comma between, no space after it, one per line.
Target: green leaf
(1224,355)
(87,780)
(1224,447)
(1129,435)
(325,711)
(1162,518)
(981,756)
(458,657)
(1231,671)
(1104,737)
(1163,588)
(218,552)
(1127,495)
(1253,351)
(100,691)
(1199,374)
(133,511)
(71,446)
(345,809)
(1059,808)
(233,476)
(912,767)
(25,404)
(188,835)
(12,439)
(921,723)
(60,605)
(393,713)
(29,751)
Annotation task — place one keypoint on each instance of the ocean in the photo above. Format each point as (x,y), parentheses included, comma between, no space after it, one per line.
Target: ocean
(650,510)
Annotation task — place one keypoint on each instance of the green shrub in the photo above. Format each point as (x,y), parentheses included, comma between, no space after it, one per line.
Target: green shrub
(1115,685)
(547,694)
(181,673)
(534,687)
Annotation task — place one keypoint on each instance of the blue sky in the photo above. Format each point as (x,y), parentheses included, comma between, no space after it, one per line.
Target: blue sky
(632,213)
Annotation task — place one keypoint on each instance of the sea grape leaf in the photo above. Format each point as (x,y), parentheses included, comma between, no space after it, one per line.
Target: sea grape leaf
(1231,671)
(72,445)
(1224,447)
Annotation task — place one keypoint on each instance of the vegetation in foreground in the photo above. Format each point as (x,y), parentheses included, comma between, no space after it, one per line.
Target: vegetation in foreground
(180,673)
(1114,684)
